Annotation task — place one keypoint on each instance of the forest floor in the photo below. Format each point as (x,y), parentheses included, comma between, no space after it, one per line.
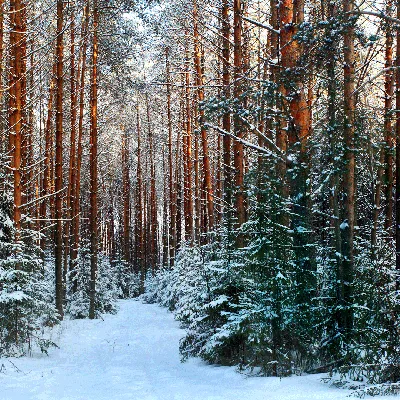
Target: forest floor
(134,356)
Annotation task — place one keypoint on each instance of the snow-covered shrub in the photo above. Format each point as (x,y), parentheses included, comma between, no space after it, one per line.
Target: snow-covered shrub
(107,287)
(241,306)
(26,301)
(26,295)
(374,357)
(128,281)
(226,316)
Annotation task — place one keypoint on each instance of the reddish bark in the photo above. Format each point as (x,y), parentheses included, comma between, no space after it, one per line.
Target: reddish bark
(93,166)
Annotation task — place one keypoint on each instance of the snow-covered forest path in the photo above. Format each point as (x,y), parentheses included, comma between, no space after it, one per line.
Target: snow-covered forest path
(134,355)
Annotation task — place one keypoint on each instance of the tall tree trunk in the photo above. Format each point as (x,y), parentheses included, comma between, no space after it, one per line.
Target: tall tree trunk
(72,153)
(178,191)
(197,188)
(226,118)
(77,185)
(279,16)
(30,169)
(377,201)
(187,148)
(349,186)
(46,179)
(111,229)
(204,137)
(238,149)
(389,137)
(3,144)
(93,166)
(139,225)
(58,163)
(17,100)
(153,200)
(218,179)
(386,153)
(333,142)
(298,131)
(165,228)
(398,150)
(172,202)
(126,185)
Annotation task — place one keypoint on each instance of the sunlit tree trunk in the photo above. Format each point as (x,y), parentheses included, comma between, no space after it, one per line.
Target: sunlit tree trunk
(3,144)
(126,187)
(226,118)
(30,168)
(389,136)
(178,188)
(17,100)
(77,185)
(197,179)
(398,149)
(153,225)
(93,166)
(165,228)
(187,149)
(139,224)
(386,153)
(58,163)
(46,177)
(72,152)
(172,203)
(238,149)
(204,136)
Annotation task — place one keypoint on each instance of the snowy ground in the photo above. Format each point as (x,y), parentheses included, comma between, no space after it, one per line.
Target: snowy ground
(134,355)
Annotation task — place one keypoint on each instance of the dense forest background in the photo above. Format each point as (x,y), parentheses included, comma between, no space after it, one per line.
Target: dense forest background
(236,161)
